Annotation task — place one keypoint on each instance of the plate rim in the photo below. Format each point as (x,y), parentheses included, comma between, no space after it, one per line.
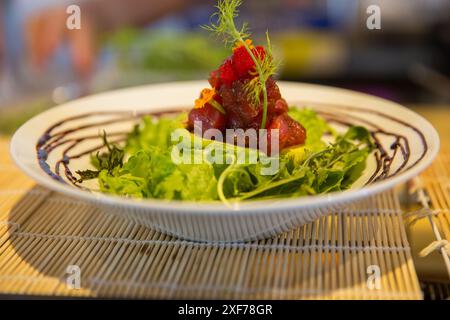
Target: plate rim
(207,208)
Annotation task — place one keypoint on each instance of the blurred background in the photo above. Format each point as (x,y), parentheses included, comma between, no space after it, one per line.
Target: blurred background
(134,42)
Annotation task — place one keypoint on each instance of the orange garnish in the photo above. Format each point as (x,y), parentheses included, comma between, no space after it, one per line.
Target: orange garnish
(248,42)
(205,96)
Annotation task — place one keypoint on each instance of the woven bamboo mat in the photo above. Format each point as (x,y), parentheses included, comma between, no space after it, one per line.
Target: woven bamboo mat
(44,235)
(436,181)
(429,229)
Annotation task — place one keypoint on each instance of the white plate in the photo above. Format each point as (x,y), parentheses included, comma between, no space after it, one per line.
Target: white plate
(249,220)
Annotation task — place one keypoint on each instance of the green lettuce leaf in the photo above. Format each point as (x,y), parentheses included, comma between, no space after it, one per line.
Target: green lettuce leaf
(153,132)
(314,168)
(192,182)
(332,169)
(140,175)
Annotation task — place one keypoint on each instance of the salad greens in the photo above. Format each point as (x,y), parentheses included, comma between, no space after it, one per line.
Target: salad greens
(144,167)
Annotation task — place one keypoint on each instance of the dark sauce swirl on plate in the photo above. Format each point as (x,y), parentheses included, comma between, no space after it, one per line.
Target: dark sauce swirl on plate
(392,150)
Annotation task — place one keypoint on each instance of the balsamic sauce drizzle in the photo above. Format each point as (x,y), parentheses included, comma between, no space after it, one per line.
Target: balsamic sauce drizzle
(385,156)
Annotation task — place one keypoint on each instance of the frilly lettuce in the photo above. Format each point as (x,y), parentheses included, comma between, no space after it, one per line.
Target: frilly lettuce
(149,172)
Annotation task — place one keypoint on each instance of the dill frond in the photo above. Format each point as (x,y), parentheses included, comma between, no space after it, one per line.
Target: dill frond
(223,25)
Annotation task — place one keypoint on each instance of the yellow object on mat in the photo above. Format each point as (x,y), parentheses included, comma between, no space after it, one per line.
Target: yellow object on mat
(427,248)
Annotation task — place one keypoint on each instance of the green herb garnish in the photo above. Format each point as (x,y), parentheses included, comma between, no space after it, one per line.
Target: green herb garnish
(108,161)
(265,66)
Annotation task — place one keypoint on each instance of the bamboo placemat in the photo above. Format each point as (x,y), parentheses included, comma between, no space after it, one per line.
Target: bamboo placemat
(429,227)
(436,181)
(43,235)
